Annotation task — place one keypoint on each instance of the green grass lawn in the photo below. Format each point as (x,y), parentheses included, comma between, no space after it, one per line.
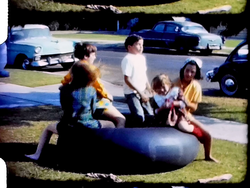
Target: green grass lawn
(232,43)
(174,7)
(92,36)
(22,127)
(30,78)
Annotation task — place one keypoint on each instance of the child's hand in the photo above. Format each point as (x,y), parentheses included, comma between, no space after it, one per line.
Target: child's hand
(144,97)
(167,104)
(172,118)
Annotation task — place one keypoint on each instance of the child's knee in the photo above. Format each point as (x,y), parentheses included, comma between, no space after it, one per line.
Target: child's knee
(200,134)
(185,126)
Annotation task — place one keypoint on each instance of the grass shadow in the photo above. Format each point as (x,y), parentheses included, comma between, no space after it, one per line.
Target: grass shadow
(22,116)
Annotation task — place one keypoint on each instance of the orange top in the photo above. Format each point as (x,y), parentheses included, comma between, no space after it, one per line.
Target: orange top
(101,93)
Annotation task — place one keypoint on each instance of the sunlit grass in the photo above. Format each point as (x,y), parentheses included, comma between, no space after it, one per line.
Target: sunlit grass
(30,78)
(232,157)
(92,36)
(177,7)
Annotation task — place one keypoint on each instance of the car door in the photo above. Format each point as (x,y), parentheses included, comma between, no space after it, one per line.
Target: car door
(240,61)
(155,37)
(169,36)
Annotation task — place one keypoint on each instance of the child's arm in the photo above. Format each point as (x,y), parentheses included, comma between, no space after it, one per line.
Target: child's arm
(149,88)
(129,83)
(101,92)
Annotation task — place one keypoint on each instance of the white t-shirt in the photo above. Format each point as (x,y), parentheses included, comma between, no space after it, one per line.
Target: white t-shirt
(172,94)
(134,66)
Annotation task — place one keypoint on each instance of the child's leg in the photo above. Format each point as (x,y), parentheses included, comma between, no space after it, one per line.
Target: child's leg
(106,124)
(115,116)
(44,139)
(135,108)
(205,137)
(147,106)
(184,126)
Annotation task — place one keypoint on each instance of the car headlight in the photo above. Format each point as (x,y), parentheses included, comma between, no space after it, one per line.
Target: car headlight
(38,49)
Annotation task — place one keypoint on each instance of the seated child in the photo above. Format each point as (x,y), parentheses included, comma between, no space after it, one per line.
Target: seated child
(166,110)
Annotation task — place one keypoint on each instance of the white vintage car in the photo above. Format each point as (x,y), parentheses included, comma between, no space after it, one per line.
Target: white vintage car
(33,46)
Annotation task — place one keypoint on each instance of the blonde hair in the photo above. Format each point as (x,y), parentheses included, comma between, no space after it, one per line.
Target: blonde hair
(160,80)
(83,74)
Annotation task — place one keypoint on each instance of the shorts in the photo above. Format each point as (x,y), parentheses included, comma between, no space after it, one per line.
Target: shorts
(103,103)
(199,134)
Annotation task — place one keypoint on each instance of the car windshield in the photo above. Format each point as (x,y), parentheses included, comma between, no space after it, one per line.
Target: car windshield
(194,29)
(29,33)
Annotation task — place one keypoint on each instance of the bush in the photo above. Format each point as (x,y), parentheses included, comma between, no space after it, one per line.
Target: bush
(53,26)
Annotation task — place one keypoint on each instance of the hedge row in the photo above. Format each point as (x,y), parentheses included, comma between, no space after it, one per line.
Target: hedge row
(108,21)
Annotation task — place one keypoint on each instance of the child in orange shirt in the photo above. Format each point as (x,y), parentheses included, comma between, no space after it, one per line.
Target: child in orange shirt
(105,110)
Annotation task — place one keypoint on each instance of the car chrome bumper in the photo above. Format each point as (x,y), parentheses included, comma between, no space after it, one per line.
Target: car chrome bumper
(52,61)
(208,47)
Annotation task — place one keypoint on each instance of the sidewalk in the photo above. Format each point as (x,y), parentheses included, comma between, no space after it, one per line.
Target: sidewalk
(12,96)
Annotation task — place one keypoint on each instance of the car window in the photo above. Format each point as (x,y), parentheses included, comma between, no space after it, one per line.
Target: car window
(159,27)
(240,55)
(17,35)
(171,28)
(29,33)
(243,51)
(194,29)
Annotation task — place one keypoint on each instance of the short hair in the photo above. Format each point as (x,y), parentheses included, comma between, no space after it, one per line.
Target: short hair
(160,80)
(83,74)
(84,49)
(198,74)
(131,39)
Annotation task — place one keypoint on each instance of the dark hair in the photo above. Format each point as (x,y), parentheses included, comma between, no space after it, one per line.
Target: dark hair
(83,74)
(131,39)
(83,49)
(198,74)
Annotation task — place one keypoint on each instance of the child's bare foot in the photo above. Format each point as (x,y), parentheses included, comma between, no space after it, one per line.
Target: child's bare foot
(33,157)
(210,158)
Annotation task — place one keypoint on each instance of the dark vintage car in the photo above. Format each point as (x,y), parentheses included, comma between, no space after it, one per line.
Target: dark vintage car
(232,75)
(181,35)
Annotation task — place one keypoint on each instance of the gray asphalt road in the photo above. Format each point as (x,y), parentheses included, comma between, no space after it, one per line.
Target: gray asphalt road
(169,63)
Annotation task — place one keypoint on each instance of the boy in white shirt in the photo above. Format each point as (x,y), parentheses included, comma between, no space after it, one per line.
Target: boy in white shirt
(137,89)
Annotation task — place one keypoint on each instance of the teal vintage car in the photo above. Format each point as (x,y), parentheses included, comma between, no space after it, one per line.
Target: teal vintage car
(32,46)
(182,36)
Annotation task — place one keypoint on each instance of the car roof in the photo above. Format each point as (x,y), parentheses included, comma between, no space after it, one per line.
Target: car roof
(30,26)
(183,23)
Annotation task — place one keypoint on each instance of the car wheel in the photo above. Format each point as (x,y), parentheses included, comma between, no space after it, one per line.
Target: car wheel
(183,50)
(67,65)
(22,62)
(26,64)
(229,85)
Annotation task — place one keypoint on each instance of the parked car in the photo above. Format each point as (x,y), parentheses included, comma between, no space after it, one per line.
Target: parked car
(232,75)
(181,35)
(33,46)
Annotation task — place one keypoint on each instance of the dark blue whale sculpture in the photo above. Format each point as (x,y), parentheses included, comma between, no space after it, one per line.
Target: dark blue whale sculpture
(3,60)
(127,150)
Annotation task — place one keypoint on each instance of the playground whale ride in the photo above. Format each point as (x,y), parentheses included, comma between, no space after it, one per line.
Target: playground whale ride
(126,150)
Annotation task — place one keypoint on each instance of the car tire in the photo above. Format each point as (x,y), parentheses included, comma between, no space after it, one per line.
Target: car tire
(183,50)
(67,65)
(229,85)
(22,62)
